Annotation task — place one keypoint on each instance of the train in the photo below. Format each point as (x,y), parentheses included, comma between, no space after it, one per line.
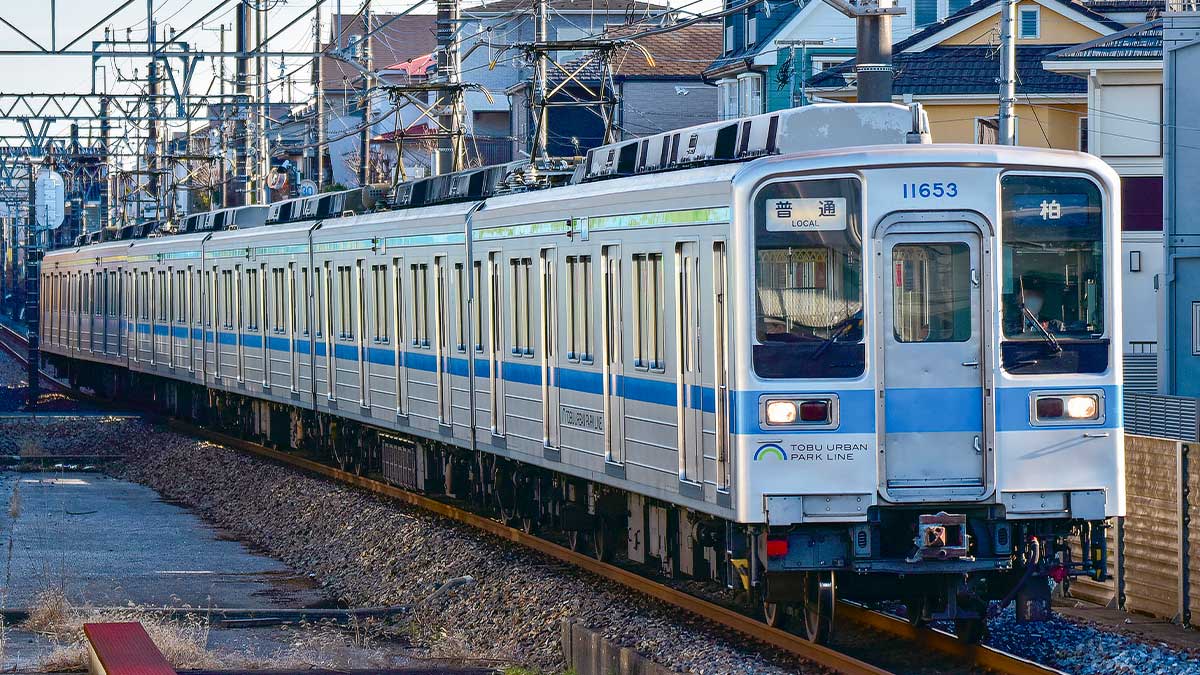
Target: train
(809,355)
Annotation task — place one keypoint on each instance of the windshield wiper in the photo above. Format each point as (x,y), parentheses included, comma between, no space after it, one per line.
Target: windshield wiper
(1050,339)
(841,329)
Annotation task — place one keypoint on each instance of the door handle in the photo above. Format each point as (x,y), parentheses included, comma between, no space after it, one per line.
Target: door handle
(977,445)
(975,277)
(971,364)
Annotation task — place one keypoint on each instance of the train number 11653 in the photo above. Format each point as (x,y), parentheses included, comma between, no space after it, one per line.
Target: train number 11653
(930,190)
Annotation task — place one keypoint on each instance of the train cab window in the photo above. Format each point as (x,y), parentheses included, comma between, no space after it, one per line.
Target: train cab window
(932,293)
(579,308)
(808,279)
(1052,294)
(649,348)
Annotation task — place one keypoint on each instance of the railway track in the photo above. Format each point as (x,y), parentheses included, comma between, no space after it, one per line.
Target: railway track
(945,644)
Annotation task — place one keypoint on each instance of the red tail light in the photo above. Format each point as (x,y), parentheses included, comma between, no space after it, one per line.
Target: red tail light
(777,548)
(1049,408)
(814,411)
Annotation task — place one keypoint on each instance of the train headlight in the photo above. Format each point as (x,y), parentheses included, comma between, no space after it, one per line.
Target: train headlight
(1082,407)
(782,413)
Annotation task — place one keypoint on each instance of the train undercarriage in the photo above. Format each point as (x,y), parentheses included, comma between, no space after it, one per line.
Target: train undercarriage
(943,563)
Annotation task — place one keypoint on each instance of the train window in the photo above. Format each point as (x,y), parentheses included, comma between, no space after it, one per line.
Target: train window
(1052,294)
(460,305)
(145,299)
(227,298)
(648,348)
(345,308)
(579,308)
(302,317)
(932,293)
(162,297)
(181,283)
(808,279)
(478,306)
(278,300)
(318,303)
(253,299)
(382,307)
(420,291)
(522,320)
(398,294)
(327,317)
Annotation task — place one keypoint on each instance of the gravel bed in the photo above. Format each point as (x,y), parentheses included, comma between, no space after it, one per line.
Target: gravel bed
(1086,649)
(368,551)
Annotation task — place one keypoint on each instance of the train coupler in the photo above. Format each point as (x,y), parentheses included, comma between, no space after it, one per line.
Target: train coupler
(941,536)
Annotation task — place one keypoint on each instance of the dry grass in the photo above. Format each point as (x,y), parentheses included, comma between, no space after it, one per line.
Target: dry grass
(14,502)
(182,641)
(30,447)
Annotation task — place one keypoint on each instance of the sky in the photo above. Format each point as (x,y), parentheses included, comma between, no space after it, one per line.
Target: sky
(59,74)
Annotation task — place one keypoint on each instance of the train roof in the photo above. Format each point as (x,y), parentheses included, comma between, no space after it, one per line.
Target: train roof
(796,130)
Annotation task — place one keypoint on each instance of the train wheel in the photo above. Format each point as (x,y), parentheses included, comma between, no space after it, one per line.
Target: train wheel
(774,614)
(971,631)
(577,540)
(817,610)
(916,611)
(604,541)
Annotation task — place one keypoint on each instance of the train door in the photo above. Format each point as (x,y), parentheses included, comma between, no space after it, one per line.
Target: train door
(932,340)
(687,359)
(550,416)
(442,325)
(495,343)
(614,407)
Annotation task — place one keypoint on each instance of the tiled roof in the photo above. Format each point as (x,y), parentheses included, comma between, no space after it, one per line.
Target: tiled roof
(933,29)
(783,14)
(677,54)
(951,70)
(633,8)
(1125,5)
(1140,42)
(405,38)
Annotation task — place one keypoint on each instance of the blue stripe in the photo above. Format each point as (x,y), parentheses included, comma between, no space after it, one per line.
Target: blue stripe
(161,330)
(226,338)
(584,381)
(278,343)
(252,340)
(933,410)
(648,391)
(382,356)
(197,334)
(420,361)
(180,332)
(346,352)
(483,368)
(143,328)
(521,373)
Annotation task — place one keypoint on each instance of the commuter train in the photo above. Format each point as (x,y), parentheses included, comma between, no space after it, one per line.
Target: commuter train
(806,354)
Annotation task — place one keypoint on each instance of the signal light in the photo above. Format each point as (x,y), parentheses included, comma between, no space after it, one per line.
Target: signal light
(777,547)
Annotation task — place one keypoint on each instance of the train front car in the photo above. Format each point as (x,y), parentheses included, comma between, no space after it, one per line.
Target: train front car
(928,402)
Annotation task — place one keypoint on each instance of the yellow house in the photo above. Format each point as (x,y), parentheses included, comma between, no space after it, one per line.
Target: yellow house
(953,68)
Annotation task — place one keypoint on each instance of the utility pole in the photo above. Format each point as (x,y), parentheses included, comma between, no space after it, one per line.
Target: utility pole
(450,155)
(316,168)
(874,63)
(542,111)
(263,99)
(1006,123)
(152,103)
(33,266)
(222,144)
(105,128)
(364,136)
(241,137)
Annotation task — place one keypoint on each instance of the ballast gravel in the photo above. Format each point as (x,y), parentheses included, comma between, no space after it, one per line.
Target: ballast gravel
(371,552)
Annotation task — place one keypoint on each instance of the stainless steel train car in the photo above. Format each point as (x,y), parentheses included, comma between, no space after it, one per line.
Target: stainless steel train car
(799,353)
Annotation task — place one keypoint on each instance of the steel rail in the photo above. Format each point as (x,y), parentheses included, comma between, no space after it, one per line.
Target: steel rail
(940,641)
(728,618)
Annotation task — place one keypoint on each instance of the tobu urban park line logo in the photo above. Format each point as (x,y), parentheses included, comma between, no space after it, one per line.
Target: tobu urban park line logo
(770,451)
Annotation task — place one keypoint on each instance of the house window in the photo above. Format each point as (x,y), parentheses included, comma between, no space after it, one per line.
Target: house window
(1083,134)
(751,27)
(750,90)
(820,65)
(728,101)
(729,36)
(925,12)
(1029,24)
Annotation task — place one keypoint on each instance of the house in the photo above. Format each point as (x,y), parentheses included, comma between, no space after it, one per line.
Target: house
(952,67)
(656,90)
(488,29)
(1123,125)
(772,49)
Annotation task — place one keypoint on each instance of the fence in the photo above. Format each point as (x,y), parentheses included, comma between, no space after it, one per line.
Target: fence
(1155,550)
